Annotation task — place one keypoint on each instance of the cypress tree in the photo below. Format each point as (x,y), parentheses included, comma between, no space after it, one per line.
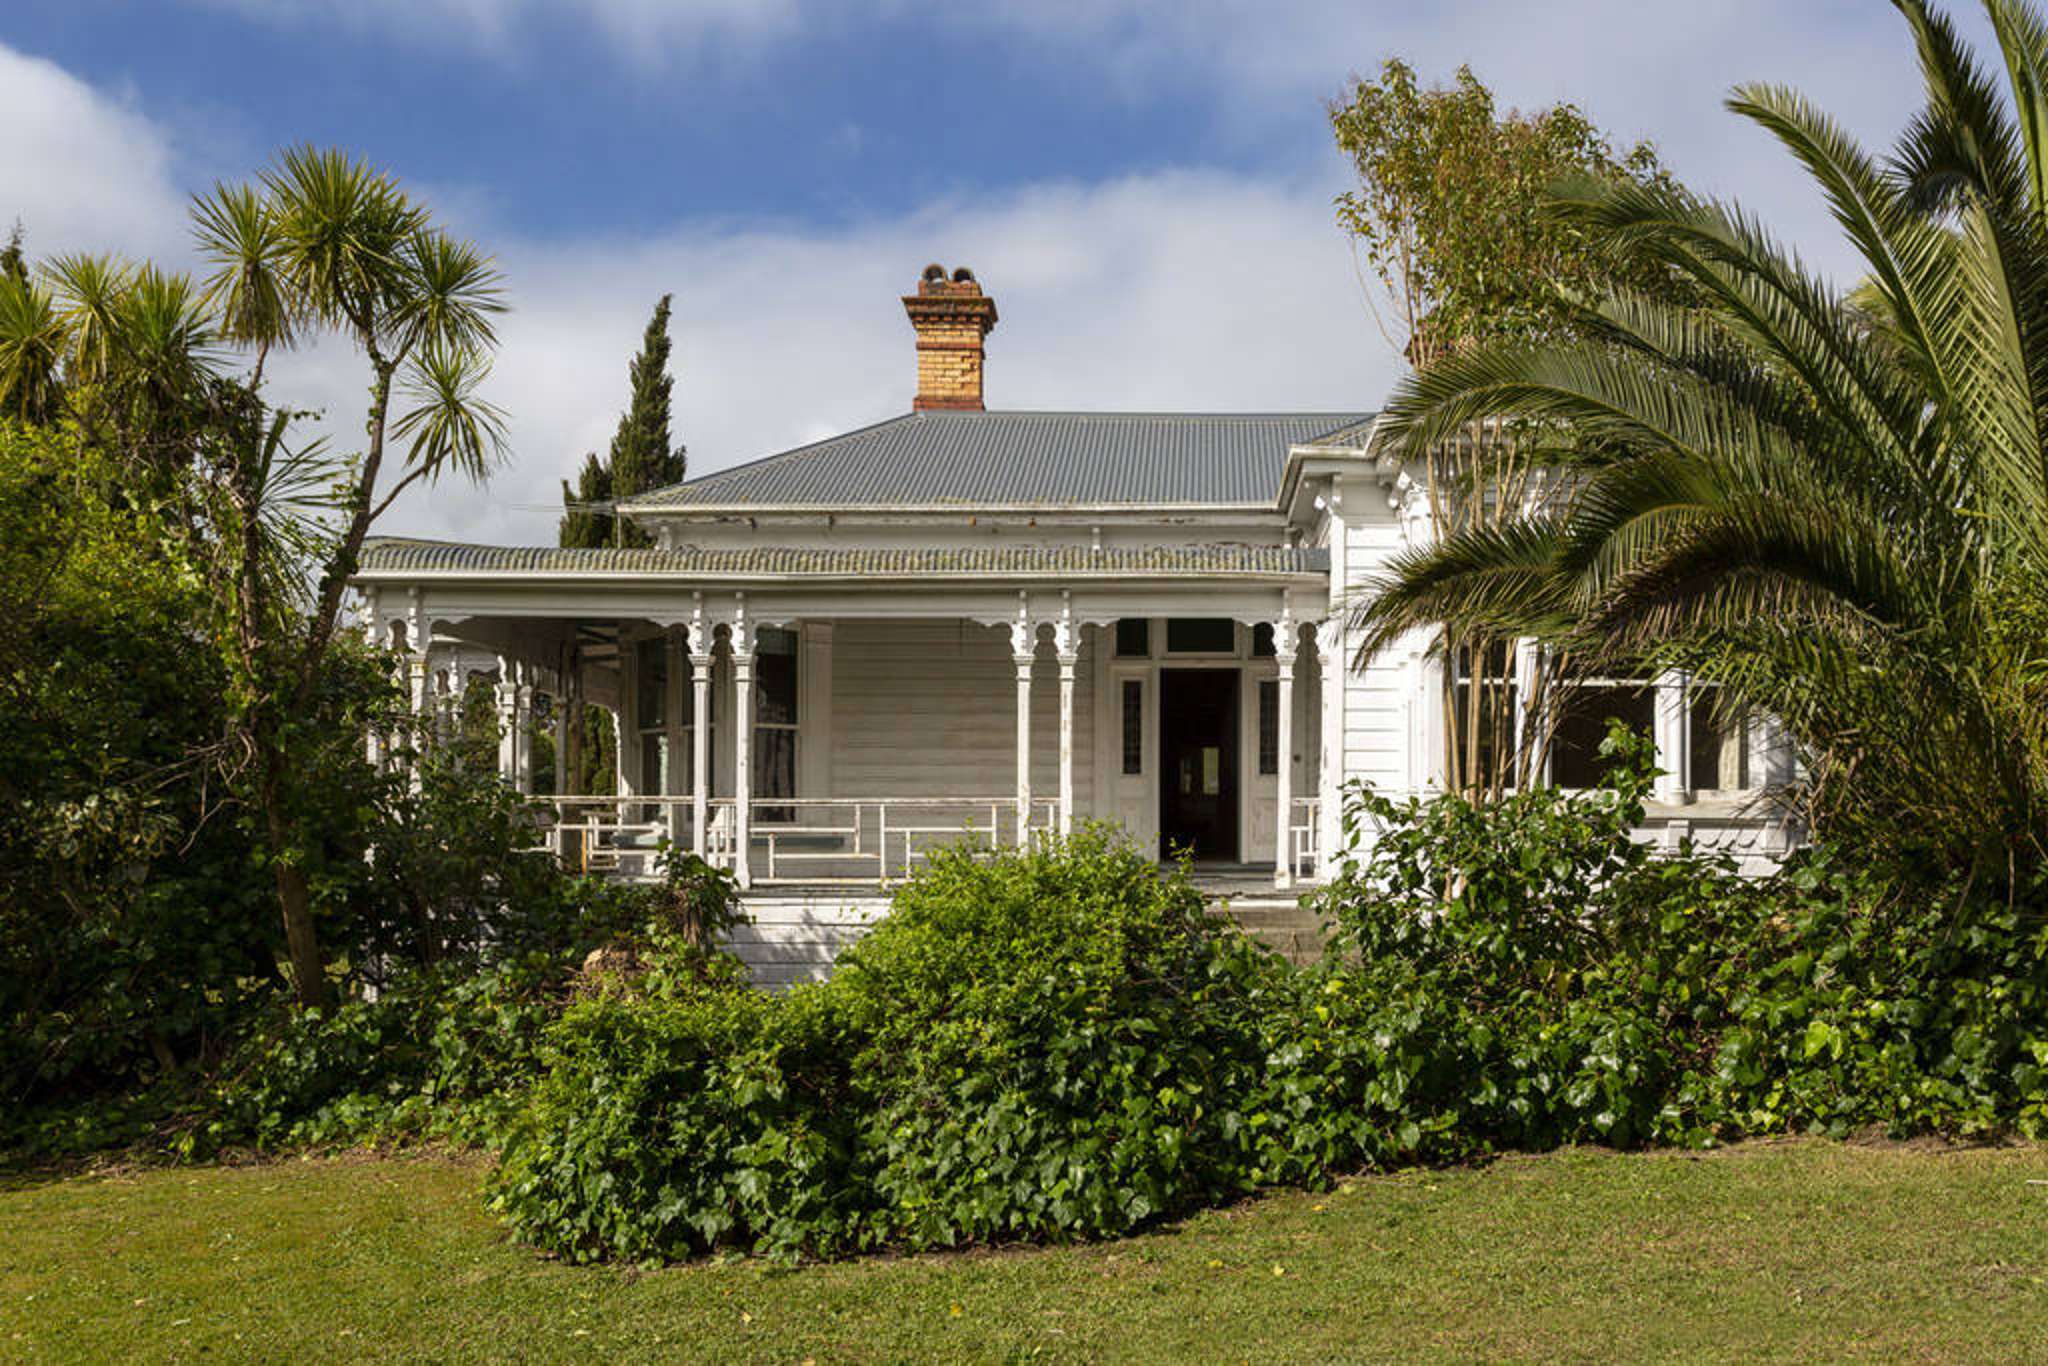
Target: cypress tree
(582,525)
(641,458)
(13,261)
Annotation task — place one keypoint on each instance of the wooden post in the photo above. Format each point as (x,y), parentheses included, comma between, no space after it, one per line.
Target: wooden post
(1330,785)
(1023,650)
(507,697)
(522,734)
(1285,643)
(371,633)
(1067,645)
(625,718)
(1671,729)
(700,730)
(561,773)
(672,729)
(742,641)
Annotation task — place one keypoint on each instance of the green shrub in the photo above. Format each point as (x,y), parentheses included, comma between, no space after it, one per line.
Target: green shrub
(447,1049)
(671,1124)
(1060,1043)
(1032,1045)
(1055,1045)
(1591,990)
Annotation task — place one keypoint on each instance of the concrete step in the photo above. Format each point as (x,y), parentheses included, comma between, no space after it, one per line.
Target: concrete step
(1286,926)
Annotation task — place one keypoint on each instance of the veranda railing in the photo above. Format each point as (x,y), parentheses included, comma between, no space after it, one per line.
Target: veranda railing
(791,839)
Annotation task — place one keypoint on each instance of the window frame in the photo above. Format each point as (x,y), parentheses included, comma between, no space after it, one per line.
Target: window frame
(1561,701)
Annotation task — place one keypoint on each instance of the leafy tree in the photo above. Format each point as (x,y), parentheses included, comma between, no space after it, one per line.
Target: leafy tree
(1834,506)
(131,934)
(167,377)
(1451,216)
(641,457)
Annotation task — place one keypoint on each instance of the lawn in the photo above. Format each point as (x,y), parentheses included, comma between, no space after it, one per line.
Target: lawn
(1777,1250)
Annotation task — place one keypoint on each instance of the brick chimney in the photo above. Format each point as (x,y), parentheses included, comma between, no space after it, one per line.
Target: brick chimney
(951,317)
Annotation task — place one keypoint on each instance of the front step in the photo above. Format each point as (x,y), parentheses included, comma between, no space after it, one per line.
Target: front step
(1285,926)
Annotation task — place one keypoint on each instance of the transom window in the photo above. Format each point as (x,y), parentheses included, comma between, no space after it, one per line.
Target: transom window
(1201,636)
(1134,638)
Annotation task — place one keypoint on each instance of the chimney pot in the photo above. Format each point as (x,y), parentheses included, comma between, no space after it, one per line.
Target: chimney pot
(951,319)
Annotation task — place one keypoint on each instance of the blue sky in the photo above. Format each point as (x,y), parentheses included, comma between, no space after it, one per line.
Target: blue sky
(570,126)
(1144,187)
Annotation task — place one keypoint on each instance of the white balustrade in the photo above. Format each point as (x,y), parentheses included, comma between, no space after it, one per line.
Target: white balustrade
(792,839)
(1305,827)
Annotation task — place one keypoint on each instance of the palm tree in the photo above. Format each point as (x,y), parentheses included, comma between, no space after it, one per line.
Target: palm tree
(1834,506)
(169,374)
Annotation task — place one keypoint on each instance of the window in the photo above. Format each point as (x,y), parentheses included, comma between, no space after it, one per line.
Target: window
(1134,725)
(667,759)
(1262,640)
(1585,706)
(1718,757)
(1269,726)
(651,678)
(658,774)
(775,719)
(1201,636)
(1134,638)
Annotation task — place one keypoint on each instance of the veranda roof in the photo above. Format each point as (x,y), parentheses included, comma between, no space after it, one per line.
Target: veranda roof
(398,556)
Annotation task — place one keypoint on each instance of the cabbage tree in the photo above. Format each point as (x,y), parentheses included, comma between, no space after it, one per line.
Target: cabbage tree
(168,373)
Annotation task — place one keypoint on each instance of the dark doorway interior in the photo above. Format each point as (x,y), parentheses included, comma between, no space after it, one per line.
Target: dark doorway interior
(1198,762)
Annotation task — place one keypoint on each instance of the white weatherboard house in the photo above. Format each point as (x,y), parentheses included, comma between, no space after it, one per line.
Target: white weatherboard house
(961,623)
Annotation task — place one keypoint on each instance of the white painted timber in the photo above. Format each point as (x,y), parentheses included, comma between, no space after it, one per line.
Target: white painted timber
(928,709)
(796,936)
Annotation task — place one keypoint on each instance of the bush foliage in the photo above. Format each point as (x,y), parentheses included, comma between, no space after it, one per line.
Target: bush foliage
(1061,1043)
(1034,1045)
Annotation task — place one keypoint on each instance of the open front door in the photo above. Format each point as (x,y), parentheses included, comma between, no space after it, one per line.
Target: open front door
(1198,807)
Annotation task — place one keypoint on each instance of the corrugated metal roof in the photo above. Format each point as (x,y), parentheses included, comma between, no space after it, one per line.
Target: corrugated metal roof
(1020,459)
(392,555)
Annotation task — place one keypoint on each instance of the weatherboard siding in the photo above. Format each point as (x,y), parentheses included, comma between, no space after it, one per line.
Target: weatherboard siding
(929,709)
(1378,699)
(796,937)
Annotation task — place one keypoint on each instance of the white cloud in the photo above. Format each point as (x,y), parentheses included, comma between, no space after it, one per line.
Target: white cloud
(1170,289)
(646,32)
(1182,290)
(82,171)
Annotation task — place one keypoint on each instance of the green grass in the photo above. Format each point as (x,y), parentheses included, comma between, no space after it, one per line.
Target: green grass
(1778,1250)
